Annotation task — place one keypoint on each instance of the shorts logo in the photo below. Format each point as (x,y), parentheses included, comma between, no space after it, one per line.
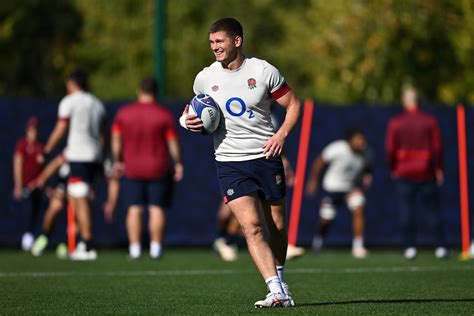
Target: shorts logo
(278,179)
(230,192)
(252,83)
(215,88)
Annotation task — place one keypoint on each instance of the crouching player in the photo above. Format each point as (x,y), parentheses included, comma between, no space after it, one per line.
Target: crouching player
(348,173)
(247,149)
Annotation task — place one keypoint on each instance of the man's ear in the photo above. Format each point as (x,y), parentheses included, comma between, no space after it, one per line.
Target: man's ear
(238,41)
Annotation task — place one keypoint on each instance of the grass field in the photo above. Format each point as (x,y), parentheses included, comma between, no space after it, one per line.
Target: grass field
(196,282)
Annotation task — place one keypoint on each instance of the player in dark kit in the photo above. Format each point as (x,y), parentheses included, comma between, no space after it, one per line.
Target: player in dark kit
(27,164)
(143,138)
(248,149)
(414,155)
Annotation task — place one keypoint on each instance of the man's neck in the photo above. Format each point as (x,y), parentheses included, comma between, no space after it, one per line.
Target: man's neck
(144,98)
(236,62)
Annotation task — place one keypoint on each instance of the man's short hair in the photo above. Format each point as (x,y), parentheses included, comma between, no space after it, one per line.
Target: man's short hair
(352,132)
(79,77)
(229,25)
(149,86)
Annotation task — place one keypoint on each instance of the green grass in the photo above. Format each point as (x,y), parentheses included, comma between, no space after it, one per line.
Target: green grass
(196,282)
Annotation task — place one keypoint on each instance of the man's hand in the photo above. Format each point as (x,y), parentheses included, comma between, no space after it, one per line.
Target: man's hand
(109,208)
(274,146)
(311,188)
(439,177)
(118,169)
(178,172)
(192,121)
(17,192)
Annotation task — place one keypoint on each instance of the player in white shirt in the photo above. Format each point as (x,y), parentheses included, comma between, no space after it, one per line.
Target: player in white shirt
(247,148)
(347,174)
(83,115)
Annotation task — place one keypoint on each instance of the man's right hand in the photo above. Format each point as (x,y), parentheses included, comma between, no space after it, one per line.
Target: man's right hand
(311,188)
(192,121)
(17,192)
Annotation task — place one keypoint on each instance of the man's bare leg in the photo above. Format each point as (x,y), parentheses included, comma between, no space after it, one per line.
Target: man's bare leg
(134,230)
(275,217)
(156,226)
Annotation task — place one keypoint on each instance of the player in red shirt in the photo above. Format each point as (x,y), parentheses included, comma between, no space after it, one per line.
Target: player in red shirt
(143,138)
(27,162)
(414,155)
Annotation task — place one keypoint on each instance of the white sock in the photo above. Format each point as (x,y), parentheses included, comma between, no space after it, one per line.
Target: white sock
(135,250)
(27,241)
(155,249)
(317,242)
(274,285)
(281,273)
(358,242)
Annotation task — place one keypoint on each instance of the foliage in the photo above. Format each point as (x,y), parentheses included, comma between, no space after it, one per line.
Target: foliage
(337,51)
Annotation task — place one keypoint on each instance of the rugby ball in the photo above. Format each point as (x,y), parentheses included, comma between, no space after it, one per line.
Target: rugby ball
(204,106)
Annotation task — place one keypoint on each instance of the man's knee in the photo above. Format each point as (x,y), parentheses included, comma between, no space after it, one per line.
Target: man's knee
(252,231)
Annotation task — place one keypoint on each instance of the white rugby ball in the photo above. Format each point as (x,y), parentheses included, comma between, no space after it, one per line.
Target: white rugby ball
(204,106)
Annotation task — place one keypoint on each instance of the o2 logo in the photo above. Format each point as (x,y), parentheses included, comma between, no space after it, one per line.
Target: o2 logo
(236,111)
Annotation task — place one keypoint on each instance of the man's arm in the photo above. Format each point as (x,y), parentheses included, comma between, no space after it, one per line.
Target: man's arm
(17,174)
(438,153)
(274,146)
(58,133)
(49,170)
(312,183)
(175,153)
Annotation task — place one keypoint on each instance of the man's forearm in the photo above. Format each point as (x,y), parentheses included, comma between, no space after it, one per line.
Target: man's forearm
(17,162)
(116,147)
(175,150)
(293,112)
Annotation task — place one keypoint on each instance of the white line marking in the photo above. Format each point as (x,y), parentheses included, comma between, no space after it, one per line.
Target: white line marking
(159,273)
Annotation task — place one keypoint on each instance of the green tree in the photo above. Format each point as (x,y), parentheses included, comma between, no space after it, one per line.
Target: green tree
(38,40)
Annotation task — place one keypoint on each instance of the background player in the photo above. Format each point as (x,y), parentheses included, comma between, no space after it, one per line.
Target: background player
(56,193)
(248,150)
(27,164)
(415,159)
(143,138)
(84,115)
(347,164)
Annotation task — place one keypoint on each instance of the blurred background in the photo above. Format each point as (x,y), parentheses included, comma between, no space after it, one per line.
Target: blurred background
(352,57)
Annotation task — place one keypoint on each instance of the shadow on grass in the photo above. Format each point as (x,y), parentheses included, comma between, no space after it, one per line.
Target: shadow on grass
(398,301)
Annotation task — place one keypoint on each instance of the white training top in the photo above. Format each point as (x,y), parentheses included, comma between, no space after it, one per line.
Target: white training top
(345,166)
(244,96)
(86,115)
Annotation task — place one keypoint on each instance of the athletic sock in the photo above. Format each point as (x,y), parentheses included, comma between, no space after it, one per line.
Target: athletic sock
(134,250)
(274,285)
(281,273)
(358,242)
(317,242)
(155,249)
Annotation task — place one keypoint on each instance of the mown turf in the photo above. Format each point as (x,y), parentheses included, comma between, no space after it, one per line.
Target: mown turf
(196,282)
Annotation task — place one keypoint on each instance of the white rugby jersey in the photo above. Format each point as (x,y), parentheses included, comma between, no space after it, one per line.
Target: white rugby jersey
(244,96)
(85,114)
(345,166)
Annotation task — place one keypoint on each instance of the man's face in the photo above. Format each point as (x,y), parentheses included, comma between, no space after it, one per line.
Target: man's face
(224,47)
(31,133)
(358,143)
(410,99)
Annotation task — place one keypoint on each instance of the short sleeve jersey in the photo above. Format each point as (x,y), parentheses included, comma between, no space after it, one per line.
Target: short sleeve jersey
(29,151)
(244,96)
(344,167)
(86,115)
(145,129)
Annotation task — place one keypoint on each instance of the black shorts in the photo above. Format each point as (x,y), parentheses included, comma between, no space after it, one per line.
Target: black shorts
(83,171)
(157,192)
(266,177)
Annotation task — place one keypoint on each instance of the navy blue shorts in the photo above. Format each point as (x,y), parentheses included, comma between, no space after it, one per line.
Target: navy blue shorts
(157,192)
(83,171)
(262,176)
